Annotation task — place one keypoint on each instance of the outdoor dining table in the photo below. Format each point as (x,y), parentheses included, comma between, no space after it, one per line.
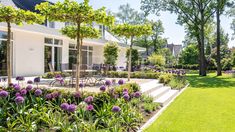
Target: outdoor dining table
(88,79)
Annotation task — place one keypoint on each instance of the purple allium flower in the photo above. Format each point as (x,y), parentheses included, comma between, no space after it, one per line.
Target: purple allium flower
(17,87)
(77,95)
(116,109)
(90,107)
(81,85)
(19,100)
(72,108)
(38,92)
(29,87)
(137,94)
(126,97)
(88,100)
(23,91)
(120,82)
(108,83)
(64,106)
(49,96)
(37,80)
(102,88)
(17,94)
(58,76)
(125,90)
(3,93)
(55,94)
(20,78)
(29,82)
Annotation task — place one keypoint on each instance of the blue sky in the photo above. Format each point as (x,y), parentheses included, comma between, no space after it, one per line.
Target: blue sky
(174,32)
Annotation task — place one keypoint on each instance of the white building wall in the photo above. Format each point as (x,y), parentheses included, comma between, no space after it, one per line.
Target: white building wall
(28,58)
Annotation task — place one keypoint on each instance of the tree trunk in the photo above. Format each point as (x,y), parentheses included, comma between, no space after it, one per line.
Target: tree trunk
(129,60)
(78,57)
(202,69)
(219,72)
(9,70)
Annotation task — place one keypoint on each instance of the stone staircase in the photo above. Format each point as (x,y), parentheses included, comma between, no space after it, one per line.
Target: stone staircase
(161,94)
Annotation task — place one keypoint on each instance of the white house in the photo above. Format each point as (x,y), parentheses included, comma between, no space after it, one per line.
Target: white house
(34,46)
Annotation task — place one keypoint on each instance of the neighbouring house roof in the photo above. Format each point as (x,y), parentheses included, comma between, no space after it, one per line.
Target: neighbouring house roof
(175,49)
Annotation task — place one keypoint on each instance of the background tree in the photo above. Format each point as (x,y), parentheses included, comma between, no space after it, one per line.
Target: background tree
(157,60)
(134,57)
(189,55)
(11,15)
(77,13)
(111,50)
(131,31)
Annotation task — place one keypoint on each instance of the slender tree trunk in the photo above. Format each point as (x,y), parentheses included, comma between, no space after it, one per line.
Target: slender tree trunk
(9,70)
(129,60)
(202,48)
(78,57)
(219,72)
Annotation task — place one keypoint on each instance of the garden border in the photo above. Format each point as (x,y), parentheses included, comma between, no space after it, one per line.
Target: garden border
(155,117)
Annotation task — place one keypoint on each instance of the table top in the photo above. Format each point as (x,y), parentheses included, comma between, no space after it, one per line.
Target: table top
(80,71)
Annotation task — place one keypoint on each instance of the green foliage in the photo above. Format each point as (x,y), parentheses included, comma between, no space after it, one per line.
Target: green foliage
(111,53)
(150,107)
(134,56)
(86,32)
(165,78)
(157,60)
(49,75)
(128,30)
(189,55)
(145,75)
(178,83)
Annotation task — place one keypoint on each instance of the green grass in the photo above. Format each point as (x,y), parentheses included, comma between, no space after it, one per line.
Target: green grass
(208,105)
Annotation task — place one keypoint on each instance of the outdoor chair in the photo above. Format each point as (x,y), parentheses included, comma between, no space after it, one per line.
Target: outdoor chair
(99,77)
(57,77)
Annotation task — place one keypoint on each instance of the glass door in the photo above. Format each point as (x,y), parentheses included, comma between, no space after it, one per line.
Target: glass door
(57,58)
(3,58)
(47,58)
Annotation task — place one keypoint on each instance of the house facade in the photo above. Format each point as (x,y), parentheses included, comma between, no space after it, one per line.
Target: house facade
(34,47)
(175,49)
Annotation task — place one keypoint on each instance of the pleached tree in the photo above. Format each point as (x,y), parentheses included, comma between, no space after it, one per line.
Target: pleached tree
(11,15)
(78,14)
(130,32)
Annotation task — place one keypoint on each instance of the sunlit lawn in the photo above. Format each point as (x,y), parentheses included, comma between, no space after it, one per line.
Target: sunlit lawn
(208,105)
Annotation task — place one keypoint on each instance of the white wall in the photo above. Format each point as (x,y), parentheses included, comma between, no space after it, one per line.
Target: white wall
(28,58)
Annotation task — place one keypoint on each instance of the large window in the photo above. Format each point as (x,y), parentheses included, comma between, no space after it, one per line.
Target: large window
(86,58)
(52,54)
(3,52)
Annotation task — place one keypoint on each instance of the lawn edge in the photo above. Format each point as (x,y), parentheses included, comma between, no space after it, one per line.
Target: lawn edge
(155,117)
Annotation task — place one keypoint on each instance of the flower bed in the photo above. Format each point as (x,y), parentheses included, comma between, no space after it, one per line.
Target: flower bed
(122,108)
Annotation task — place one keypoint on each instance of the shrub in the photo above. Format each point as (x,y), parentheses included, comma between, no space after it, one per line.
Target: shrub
(165,78)
(178,83)
(49,75)
(150,107)
(157,60)
(111,53)
(145,75)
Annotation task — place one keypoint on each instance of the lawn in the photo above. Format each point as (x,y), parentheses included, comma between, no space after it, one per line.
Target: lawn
(208,105)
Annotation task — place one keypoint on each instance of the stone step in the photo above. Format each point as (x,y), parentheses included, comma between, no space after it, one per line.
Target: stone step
(160,92)
(150,86)
(167,97)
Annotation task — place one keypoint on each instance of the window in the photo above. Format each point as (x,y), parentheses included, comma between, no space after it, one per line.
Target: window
(48,40)
(58,42)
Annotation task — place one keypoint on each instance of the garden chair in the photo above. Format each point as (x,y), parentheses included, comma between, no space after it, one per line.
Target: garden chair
(99,77)
(57,77)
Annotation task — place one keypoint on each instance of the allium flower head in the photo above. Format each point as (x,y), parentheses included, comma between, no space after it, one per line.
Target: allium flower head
(29,87)
(102,88)
(88,99)
(19,100)
(17,94)
(49,96)
(37,80)
(125,90)
(108,83)
(77,95)
(90,107)
(81,85)
(116,109)
(64,106)
(126,97)
(72,108)
(38,92)
(29,82)
(137,94)
(3,93)
(23,91)
(20,78)
(17,87)
(55,94)
(121,82)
